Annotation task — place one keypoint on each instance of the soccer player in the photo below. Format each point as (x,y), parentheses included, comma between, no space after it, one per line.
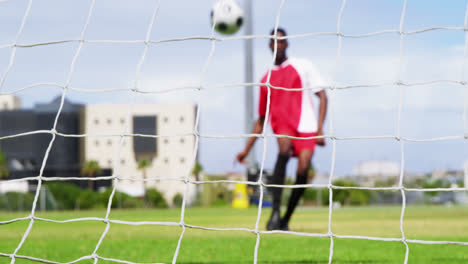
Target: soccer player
(292,114)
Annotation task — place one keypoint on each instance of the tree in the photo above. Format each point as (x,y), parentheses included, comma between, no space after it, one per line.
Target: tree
(4,172)
(196,170)
(143,164)
(90,169)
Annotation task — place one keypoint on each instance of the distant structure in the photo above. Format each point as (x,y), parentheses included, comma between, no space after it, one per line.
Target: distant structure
(9,102)
(448,175)
(25,153)
(369,172)
(169,156)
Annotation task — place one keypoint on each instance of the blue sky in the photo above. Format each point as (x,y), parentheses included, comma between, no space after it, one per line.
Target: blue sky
(428,111)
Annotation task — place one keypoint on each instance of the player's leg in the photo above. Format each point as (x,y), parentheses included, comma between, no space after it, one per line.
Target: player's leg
(304,159)
(284,145)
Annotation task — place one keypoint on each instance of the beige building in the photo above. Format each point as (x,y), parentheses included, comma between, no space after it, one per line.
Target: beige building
(9,102)
(170,154)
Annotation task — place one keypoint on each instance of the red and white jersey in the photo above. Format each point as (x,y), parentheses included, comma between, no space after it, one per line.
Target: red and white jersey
(293,109)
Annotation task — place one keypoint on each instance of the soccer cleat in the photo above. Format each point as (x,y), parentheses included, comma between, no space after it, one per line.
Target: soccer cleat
(274,222)
(284,226)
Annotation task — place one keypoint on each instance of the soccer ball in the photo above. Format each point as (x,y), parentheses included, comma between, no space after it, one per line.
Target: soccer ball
(228,17)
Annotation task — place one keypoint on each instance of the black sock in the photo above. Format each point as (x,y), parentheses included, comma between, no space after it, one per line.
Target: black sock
(301,178)
(278,179)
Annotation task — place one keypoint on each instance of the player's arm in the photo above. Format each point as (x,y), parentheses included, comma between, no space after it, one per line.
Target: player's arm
(257,129)
(322,114)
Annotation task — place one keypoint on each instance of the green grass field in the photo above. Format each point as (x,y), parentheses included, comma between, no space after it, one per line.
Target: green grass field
(150,243)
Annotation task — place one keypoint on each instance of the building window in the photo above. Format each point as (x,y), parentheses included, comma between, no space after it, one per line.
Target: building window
(122,121)
(122,161)
(109,142)
(96,121)
(145,125)
(166,141)
(182,119)
(166,160)
(182,160)
(109,162)
(109,121)
(166,119)
(182,141)
(96,143)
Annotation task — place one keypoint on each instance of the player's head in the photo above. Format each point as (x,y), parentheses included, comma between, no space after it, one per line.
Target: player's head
(281,44)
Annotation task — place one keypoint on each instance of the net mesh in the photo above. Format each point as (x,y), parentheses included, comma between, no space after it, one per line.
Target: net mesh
(213,39)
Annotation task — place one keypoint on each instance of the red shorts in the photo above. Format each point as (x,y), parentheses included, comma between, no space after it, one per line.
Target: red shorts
(298,144)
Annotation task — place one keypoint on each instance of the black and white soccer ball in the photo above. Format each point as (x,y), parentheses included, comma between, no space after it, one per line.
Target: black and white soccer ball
(227,16)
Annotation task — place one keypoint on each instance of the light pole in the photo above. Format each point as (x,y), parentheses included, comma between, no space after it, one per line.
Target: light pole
(249,112)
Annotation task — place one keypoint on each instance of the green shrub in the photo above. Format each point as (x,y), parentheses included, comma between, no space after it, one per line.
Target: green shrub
(310,195)
(359,197)
(123,200)
(347,196)
(3,204)
(66,194)
(155,199)
(17,201)
(89,199)
(131,202)
(430,183)
(177,200)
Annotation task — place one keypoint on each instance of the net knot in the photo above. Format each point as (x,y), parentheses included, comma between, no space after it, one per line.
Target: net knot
(53,131)
(261,183)
(399,82)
